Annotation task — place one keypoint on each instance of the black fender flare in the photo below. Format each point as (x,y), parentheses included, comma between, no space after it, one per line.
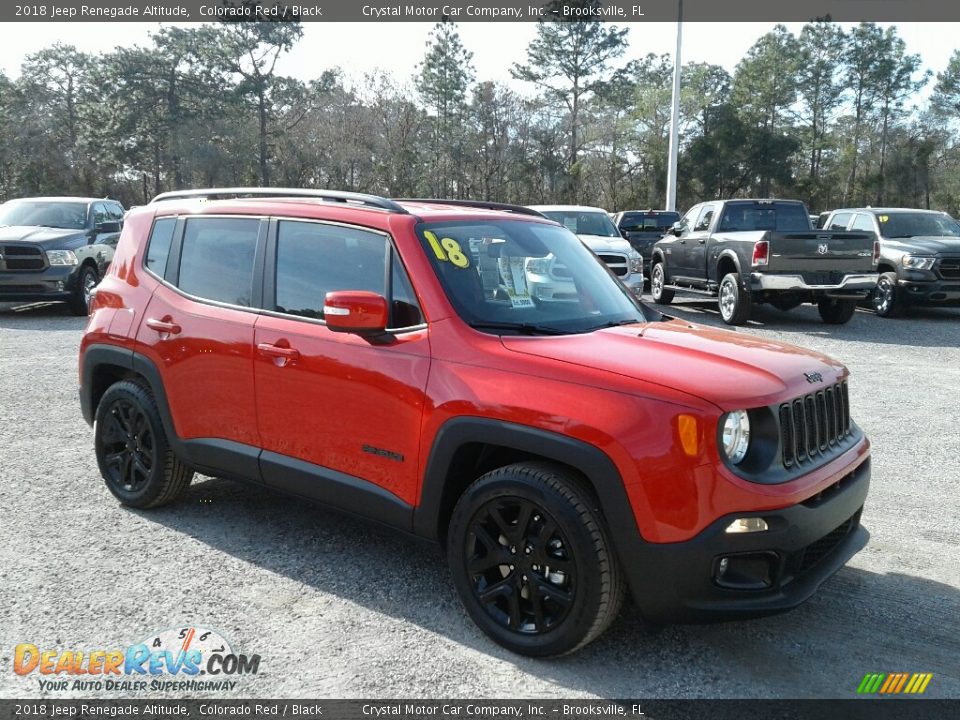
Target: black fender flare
(595,465)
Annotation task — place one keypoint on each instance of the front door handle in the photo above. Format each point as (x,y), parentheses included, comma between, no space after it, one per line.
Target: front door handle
(682,241)
(701,240)
(163,326)
(274,351)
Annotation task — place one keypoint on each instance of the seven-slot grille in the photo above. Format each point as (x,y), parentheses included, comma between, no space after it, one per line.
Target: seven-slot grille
(617,262)
(950,268)
(814,423)
(21,257)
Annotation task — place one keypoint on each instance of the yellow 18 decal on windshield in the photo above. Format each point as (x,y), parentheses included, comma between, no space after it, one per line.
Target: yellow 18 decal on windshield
(447,249)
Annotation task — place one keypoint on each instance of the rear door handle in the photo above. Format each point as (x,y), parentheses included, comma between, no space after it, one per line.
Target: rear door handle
(269,350)
(701,240)
(163,326)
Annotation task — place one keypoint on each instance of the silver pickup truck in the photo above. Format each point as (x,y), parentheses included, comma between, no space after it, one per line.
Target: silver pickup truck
(746,252)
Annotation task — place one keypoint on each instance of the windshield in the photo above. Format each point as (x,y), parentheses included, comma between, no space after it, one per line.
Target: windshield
(776,216)
(525,278)
(585,222)
(66,215)
(638,221)
(904,225)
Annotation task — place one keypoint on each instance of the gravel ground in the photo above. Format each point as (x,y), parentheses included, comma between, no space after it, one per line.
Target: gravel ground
(337,607)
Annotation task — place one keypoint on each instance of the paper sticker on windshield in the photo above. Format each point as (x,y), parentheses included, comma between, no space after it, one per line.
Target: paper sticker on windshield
(883,218)
(447,250)
(514,275)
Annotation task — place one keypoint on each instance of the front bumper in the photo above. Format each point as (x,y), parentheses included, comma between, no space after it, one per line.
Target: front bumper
(857,283)
(805,545)
(938,292)
(54,283)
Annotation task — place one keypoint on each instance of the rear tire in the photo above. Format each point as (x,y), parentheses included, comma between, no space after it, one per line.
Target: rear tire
(79,302)
(661,294)
(836,311)
(734,302)
(532,560)
(887,299)
(133,453)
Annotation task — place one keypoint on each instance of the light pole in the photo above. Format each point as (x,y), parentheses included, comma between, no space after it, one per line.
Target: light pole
(675,119)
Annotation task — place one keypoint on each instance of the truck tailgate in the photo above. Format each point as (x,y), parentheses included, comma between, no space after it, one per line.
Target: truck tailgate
(828,254)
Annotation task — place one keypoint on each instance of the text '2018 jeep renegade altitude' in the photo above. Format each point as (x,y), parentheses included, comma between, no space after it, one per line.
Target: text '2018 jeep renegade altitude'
(387,358)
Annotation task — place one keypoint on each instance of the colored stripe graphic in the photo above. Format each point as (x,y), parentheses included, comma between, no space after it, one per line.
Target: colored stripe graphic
(894,683)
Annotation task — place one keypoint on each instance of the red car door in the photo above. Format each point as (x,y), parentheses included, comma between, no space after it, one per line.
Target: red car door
(339,415)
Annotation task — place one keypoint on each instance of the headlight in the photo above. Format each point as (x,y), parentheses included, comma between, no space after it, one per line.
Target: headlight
(736,436)
(538,266)
(918,262)
(61,257)
(636,263)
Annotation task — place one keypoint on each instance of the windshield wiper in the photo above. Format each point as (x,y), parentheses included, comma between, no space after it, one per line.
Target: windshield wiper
(613,323)
(522,328)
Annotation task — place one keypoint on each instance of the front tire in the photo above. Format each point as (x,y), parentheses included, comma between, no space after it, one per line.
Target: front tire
(661,294)
(79,302)
(532,561)
(887,299)
(734,302)
(836,311)
(133,453)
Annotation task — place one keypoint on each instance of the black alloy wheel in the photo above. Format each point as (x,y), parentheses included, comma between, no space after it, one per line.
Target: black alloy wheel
(134,456)
(531,558)
(520,565)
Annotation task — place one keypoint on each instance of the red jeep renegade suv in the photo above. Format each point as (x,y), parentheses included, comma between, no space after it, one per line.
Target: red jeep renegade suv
(392,359)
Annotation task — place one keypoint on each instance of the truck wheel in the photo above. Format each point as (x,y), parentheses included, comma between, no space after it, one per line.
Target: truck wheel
(735,302)
(79,302)
(887,299)
(135,459)
(836,311)
(532,561)
(658,279)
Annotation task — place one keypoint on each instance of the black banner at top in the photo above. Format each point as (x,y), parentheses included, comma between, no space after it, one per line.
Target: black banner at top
(619,11)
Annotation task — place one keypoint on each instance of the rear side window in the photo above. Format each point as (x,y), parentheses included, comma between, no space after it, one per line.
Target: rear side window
(159,248)
(217,258)
(314,259)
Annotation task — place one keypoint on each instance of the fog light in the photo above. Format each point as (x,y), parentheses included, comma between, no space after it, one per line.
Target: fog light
(60,285)
(747,571)
(747,525)
(722,567)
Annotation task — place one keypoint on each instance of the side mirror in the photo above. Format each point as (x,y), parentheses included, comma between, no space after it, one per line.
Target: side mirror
(676,229)
(110,226)
(355,311)
(623,231)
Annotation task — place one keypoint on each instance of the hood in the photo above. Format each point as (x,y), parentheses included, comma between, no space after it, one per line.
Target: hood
(926,244)
(600,243)
(45,237)
(729,369)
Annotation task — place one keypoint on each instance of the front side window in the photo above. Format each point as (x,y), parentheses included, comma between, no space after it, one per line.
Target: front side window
(314,259)
(690,218)
(706,217)
(217,258)
(862,222)
(525,278)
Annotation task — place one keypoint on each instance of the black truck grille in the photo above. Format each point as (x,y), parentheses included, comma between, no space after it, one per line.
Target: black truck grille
(814,423)
(616,262)
(949,268)
(818,550)
(21,257)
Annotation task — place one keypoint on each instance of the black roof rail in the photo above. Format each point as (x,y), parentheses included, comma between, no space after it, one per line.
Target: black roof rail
(481,204)
(373,201)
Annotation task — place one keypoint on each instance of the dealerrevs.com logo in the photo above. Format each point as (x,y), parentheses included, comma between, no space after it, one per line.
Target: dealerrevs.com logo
(180,659)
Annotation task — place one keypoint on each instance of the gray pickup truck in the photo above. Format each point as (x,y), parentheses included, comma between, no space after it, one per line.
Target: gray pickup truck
(919,256)
(746,252)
